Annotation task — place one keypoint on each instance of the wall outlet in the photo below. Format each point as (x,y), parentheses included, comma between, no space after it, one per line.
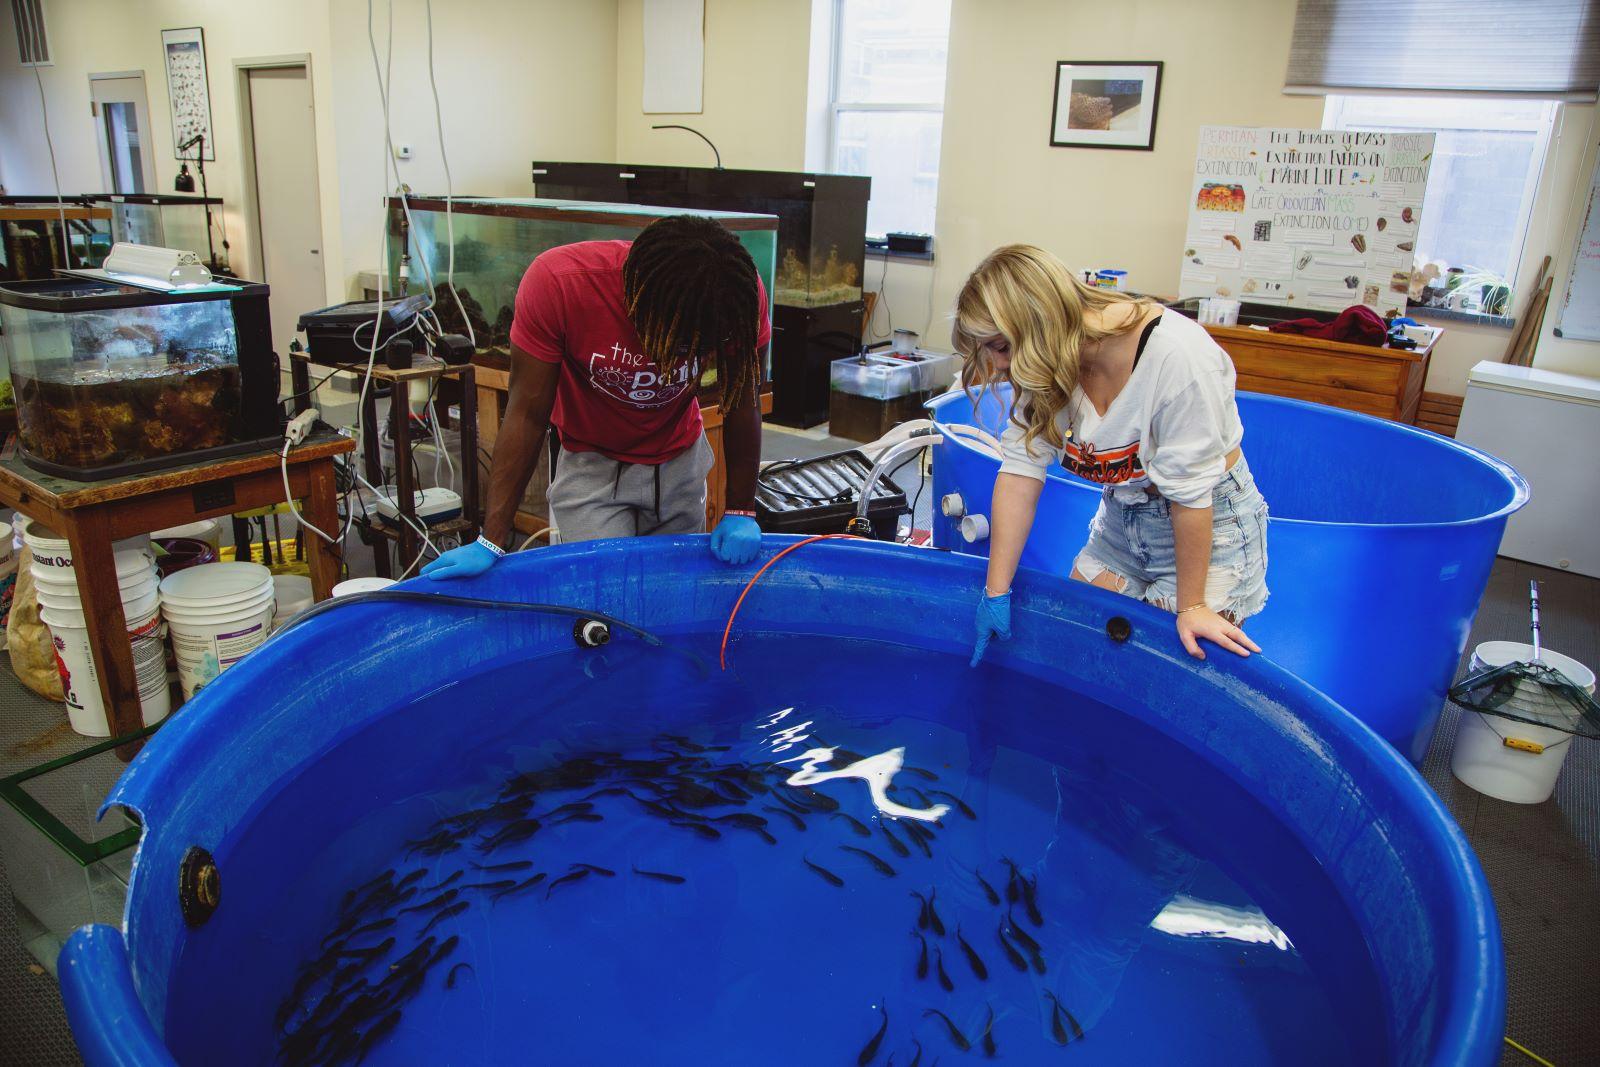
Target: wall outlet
(402,151)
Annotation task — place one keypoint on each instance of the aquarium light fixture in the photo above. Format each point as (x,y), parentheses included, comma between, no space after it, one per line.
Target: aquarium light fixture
(157,268)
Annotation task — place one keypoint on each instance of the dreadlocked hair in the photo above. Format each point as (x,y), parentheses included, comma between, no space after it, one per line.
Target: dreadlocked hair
(690,289)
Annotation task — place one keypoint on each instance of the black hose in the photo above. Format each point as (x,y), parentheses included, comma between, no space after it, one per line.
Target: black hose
(400,596)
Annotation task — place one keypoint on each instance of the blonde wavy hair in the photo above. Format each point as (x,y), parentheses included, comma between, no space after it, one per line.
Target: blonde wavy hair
(1029,298)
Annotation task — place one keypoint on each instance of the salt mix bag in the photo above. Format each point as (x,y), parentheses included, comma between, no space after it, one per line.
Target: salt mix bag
(33,653)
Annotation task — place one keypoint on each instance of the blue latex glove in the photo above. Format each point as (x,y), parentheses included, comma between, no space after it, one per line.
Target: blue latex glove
(463,562)
(994,620)
(736,539)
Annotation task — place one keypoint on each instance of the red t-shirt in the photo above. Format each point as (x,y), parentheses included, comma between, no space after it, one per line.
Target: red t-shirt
(609,398)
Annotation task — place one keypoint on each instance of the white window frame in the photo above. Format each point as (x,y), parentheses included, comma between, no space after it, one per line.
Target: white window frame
(1542,129)
(836,106)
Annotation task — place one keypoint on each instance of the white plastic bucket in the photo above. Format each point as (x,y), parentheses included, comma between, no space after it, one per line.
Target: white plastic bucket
(361,585)
(7,546)
(52,551)
(217,613)
(65,583)
(56,567)
(293,594)
(1484,761)
(86,711)
(207,530)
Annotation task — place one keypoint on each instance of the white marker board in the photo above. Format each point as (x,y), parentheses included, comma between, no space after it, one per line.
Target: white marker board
(1580,307)
(1309,218)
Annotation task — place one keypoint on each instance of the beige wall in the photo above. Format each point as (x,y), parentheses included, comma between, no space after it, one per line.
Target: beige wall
(519,80)
(755,89)
(100,36)
(999,180)
(571,86)
(552,94)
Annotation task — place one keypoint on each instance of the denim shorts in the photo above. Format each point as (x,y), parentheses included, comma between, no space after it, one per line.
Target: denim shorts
(1133,541)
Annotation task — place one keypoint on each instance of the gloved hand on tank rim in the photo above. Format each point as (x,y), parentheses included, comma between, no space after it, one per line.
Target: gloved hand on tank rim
(737,538)
(467,561)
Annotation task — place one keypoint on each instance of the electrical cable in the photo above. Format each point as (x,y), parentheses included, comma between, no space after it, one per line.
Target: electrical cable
(534,537)
(449,187)
(734,614)
(37,33)
(883,280)
(288,496)
(922,484)
(403,596)
(1534,1056)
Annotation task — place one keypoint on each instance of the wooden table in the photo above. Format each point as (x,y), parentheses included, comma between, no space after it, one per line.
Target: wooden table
(92,515)
(1386,382)
(426,370)
(494,385)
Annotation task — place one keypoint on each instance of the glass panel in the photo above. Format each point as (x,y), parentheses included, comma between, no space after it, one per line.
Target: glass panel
(122,137)
(892,51)
(1486,161)
(493,250)
(900,151)
(55,892)
(97,387)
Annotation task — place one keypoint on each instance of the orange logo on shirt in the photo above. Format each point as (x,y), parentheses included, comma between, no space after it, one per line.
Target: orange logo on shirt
(1112,467)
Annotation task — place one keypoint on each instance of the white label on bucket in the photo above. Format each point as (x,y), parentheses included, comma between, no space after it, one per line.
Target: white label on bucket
(201,657)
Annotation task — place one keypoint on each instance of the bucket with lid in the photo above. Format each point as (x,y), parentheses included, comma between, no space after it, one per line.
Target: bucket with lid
(1511,760)
(69,633)
(361,585)
(217,613)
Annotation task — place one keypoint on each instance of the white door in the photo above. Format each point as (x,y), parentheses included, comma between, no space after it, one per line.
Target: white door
(289,223)
(122,119)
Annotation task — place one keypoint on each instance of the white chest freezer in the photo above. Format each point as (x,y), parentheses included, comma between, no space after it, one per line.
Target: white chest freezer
(1547,426)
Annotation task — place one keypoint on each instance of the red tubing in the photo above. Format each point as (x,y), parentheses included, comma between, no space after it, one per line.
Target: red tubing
(727,630)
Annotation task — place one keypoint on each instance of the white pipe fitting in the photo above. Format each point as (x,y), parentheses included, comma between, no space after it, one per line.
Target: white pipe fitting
(952,506)
(975,528)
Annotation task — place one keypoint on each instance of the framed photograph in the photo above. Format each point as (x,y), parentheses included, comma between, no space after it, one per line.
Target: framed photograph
(1105,105)
(185,52)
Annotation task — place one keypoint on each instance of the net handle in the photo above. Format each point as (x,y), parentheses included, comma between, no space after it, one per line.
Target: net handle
(1533,603)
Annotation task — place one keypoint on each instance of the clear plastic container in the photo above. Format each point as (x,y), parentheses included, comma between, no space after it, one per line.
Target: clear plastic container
(110,378)
(886,377)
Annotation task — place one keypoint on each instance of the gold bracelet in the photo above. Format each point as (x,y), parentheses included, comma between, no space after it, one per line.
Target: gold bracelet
(1192,607)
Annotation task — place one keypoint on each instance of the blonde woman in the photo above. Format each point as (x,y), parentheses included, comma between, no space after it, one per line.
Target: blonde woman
(1122,392)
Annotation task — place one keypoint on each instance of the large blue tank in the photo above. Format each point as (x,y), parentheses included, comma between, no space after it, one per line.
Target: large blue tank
(1379,545)
(1163,861)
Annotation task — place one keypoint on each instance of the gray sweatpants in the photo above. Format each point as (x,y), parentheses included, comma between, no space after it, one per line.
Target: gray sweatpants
(594,496)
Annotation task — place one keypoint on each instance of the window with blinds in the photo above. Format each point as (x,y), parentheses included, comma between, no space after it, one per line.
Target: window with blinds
(1546,48)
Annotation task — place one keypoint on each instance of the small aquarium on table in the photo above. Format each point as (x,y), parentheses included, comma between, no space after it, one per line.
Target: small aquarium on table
(113,379)
(497,237)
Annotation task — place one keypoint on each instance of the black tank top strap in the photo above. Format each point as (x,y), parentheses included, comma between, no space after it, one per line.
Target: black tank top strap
(1144,338)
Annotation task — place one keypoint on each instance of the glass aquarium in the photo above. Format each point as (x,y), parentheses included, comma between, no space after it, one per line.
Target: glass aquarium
(112,379)
(496,239)
(162,220)
(822,225)
(822,218)
(31,245)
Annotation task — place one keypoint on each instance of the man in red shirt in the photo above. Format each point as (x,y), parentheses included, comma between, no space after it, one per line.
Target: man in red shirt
(608,342)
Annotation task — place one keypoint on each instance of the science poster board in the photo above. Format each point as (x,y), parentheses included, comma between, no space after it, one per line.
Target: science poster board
(1318,219)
